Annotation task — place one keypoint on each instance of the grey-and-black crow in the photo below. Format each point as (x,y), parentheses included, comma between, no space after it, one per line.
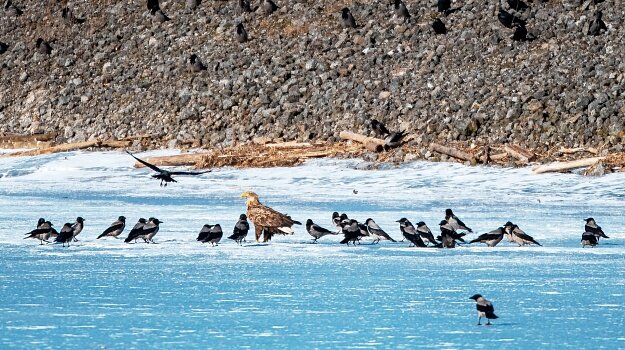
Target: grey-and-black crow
(484,309)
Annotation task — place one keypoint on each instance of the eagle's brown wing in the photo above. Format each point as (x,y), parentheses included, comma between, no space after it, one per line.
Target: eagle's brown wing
(264,216)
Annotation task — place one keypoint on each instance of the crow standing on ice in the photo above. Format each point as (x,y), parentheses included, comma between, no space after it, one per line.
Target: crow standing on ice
(214,234)
(66,235)
(136,231)
(455,222)
(116,228)
(410,233)
(376,232)
(426,234)
(484,309)
(43,231)
(491,238)
(591,226)
(351,231)
(449,236)
(241,228)
(518,236)
(77,227)
(164,175)
(588,238)
(317,231)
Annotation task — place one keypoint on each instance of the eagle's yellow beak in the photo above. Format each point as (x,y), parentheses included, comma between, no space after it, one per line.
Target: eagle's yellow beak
(244,194)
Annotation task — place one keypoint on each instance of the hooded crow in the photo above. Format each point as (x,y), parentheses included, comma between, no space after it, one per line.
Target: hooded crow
(591,226)
(41,222)
(351,231)
(426,234)
(379,129)
(42,232)
(43,47)
(69,18)
(241,33)
(484,309)
(336,220)
(508,20)
(376,232)
(394,140)
(317,231)
(439,26)
(151,229)
(597,25)
(347,19)
(159,16)
(116,228)
(588,238)
(11,9)
(410,233)
(400,10)
(136,231)
(518,236)
(491,238)
(206,229)
(456,223)
(77,227)
(195,64)
(391,139)
(66,235)
(3,47)
(449,236)
(214,235)
(164,175)
(240,230)
(269,7)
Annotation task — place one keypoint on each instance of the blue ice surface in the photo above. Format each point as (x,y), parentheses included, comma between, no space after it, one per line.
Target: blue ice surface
(180,294)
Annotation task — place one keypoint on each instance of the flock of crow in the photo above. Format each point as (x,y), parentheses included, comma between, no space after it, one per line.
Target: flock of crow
(452,232)
(511,18)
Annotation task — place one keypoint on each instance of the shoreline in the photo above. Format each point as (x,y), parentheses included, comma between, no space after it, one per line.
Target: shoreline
(263,153)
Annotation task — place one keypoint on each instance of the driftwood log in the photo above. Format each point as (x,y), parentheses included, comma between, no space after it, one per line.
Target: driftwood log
(523,155)
(565,166)
(452,152)
(370,143)
(27,141)
(71,147)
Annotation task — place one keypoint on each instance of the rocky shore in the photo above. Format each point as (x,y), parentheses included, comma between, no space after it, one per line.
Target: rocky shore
(302,76)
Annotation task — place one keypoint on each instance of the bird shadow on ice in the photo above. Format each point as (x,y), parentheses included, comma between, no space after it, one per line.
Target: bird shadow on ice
(256,245)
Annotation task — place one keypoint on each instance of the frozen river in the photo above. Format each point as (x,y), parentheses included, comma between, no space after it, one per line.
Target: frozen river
(104,294)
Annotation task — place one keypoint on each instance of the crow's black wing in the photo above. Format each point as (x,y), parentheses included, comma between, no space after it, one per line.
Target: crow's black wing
(151,166)
(321,229)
